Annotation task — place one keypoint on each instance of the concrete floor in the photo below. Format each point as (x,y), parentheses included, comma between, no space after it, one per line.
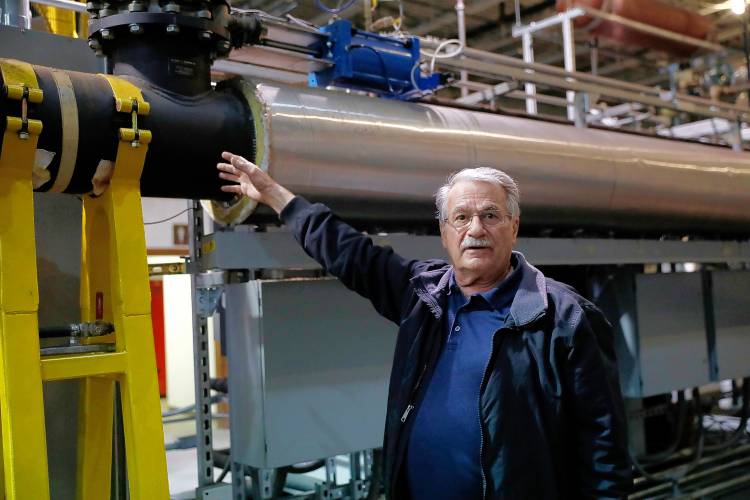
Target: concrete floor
(182,464)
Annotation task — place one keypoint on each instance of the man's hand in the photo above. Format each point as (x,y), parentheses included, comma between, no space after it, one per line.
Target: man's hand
(252,182)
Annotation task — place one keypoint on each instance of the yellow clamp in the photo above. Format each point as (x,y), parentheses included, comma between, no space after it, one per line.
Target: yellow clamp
(128,99)
(20,84)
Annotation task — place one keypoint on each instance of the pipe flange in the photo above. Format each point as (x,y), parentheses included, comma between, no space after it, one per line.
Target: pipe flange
(115,21)
(238,209)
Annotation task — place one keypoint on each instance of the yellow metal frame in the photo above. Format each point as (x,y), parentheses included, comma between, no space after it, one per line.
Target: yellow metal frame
(115,274)
(114,288)
(21,405)
(63,21)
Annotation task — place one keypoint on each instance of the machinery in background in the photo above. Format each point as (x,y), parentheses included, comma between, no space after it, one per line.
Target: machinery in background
(622,217)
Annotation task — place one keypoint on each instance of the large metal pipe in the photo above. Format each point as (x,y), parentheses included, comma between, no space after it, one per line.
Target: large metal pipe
(382,160)
(379,162)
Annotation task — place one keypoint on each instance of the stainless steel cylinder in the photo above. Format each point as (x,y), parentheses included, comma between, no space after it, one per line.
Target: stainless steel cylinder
(378,159)
(15,13)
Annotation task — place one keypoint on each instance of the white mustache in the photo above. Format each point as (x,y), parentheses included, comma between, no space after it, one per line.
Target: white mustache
(471,242)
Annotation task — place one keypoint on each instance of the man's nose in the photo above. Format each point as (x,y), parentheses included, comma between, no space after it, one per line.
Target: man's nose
(475,226)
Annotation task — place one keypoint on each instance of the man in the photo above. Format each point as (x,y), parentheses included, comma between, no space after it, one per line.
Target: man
(504,383)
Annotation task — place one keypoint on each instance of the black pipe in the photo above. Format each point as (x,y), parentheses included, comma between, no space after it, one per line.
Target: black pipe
(189,132)
(171,63)
(78,330)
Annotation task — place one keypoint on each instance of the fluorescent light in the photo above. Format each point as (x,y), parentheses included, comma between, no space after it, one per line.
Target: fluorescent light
(737,6)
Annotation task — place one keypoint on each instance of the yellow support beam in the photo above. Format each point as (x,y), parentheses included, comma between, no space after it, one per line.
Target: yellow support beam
(83,365)
(24,447)
(115,288)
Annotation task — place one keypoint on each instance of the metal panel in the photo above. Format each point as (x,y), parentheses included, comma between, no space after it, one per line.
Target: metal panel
(309,363)
(50,50)
(671,327)
(732,315)
(58,224)
(278,250)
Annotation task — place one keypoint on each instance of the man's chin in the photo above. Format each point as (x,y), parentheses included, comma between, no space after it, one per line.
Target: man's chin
(475,262)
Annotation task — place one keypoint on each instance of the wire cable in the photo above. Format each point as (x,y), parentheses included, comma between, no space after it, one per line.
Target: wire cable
(167,219)
(333,10)
(741,428)
(448,55)
(681,416)
(697,455)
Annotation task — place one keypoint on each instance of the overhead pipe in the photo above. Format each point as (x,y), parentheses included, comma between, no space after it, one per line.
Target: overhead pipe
(381,161)
(629,22)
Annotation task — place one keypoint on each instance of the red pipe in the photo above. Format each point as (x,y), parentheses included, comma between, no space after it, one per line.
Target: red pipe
(653,12)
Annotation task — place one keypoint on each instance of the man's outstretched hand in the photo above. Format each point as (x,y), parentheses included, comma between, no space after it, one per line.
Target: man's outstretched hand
(252,182)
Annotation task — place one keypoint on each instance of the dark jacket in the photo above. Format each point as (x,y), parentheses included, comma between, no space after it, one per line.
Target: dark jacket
(552,418)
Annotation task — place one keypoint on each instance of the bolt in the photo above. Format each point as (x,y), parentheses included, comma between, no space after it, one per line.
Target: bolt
(135,7)
(107,34)
(224,46)
(135,28)
(172,7)
(135,144)
(204,14)
(107,12)
(23,135)
(173,29)
(94,44)
(204,35)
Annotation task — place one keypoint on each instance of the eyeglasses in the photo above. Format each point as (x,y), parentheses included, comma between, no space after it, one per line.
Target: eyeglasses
(488,218)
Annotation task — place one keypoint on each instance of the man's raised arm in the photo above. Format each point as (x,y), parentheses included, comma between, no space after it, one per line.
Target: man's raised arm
(376,273)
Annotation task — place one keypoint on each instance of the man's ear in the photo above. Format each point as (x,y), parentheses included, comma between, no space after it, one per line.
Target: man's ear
(516,225)
(442,234)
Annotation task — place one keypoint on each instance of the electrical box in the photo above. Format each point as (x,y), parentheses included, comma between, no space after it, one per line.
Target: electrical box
(309,363)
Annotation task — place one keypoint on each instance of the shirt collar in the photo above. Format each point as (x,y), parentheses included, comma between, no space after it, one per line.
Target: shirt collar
(499,297)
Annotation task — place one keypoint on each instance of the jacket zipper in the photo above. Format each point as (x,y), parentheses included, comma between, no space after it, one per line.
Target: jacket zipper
(410,405)
(479,417)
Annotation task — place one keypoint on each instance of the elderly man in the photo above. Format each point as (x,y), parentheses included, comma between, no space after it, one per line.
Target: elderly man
(504,382)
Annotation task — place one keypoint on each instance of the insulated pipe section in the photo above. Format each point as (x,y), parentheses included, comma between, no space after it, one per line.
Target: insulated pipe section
(78,143)
(381,161)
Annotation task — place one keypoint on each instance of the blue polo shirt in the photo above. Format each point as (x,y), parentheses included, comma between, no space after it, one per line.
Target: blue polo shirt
(443,455)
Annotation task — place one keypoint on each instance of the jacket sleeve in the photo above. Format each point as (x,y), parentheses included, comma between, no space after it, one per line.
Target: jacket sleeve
(598,411)
(377,273)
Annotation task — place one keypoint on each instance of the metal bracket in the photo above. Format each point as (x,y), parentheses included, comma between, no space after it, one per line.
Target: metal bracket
(127,101)
(21,85)
(208,299)
(219,491)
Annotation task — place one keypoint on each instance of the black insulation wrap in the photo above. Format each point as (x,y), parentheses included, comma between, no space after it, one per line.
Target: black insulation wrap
(176,63)
(188,133)
(97,126)
(49,113)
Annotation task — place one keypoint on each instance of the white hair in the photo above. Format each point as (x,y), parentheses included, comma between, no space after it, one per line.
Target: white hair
(480,174)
